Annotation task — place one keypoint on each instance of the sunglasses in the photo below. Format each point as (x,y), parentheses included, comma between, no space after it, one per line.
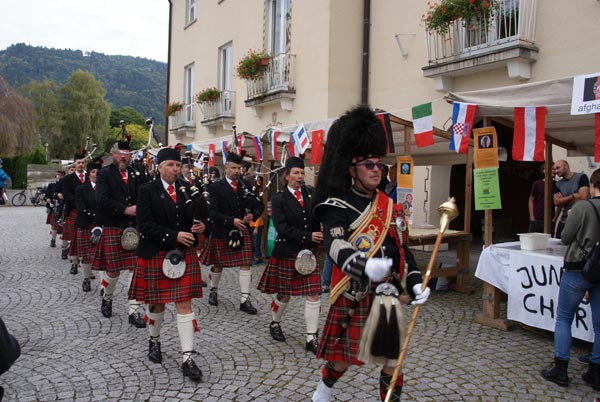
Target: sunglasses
(369,165)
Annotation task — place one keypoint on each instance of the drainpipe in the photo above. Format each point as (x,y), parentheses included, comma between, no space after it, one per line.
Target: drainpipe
(364,98)
(168,70)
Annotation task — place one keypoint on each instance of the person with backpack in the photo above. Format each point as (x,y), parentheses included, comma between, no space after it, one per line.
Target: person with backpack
(580,234)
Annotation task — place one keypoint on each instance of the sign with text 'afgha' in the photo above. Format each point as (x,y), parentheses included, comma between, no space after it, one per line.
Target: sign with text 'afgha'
(586,94)
(533,295)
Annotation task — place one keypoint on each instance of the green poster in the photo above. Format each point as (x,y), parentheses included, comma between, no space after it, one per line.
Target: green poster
(487,189)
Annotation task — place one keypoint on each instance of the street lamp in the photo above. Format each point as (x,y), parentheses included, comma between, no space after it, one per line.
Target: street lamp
(46,145)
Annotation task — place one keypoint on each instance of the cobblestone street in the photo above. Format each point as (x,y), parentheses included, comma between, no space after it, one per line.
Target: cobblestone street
(71,352)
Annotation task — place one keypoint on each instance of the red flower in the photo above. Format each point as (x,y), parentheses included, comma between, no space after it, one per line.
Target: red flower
(443,8)
(471,1)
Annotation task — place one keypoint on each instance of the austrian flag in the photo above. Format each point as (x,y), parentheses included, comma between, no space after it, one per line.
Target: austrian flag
(462,123)
(528,141)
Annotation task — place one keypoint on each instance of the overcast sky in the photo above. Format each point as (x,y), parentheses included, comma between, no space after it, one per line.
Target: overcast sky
(114,27)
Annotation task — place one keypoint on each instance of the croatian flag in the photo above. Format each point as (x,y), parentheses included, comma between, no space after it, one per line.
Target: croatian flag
(301,139)
(224,149)
(257,147)
(529,131)
(274,134)
(462,123)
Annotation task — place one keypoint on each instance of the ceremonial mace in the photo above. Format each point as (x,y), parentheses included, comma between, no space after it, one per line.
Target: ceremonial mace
(448,211)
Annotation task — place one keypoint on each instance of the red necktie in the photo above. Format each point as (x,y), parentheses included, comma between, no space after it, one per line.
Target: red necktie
(81,179)
(124,176)
(234,186)
(299,197)
(171,191)
(190,180)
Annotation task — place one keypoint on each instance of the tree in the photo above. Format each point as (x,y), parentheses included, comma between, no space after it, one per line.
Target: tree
(16,121)
(138,133)
(128,114)
(85,112)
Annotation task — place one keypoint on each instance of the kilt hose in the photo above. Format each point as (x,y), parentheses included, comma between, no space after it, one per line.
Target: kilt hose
(69,231)
(151,286)
(109,255)
(217,252)
(82,246)
(280,276)
(348,347)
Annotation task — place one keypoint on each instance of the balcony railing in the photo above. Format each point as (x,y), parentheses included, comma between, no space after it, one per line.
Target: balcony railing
(223,107)
(512,22)
(183,118)
(278,77)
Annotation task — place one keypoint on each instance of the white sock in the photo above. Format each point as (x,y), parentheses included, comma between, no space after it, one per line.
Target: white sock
(53,234)
(108,284)
(65,244)
(185,326)
(87,270)
(215,278)
(311,316)
(74,259)
(277,308)
(155,321)
(135,307)
(245,282)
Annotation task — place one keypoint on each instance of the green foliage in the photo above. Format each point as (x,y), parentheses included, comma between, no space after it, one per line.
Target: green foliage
(16,166)
(173,107)
(440,16)
(138,133)
(253,65)
(128,114)
(129,81)
(208,95)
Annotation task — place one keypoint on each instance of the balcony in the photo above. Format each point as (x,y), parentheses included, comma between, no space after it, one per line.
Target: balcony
(183,122)
(275,86)
(219,112)
(506,39)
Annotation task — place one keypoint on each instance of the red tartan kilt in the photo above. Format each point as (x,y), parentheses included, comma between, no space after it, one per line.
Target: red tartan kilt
(217,252)
(348,347)
(109,255)
(82,245)
(51,218)
(69,231)
(151,286)
(280,276)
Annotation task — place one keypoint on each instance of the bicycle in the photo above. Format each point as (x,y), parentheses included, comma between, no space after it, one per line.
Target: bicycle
(36,198)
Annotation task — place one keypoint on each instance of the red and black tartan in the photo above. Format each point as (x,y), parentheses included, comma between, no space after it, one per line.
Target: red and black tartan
(82,245)
(109,255)
(51,220)
(280,276)
(348,347)
(151,286)
(69,231)
(218,253)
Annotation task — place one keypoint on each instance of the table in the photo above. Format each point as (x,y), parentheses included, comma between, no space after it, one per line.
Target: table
(531,279)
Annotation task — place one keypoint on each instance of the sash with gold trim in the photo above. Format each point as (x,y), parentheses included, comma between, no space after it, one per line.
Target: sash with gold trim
(368,236)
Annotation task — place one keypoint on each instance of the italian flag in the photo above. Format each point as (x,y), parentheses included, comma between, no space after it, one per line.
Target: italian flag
(529,132)
(423,125)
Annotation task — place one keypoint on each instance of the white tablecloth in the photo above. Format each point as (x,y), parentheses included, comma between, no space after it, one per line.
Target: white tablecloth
(531,278)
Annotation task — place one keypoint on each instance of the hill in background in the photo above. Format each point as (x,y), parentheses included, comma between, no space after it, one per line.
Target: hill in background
(129,81)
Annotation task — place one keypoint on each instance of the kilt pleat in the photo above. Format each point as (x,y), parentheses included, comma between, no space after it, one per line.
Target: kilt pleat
(217,252)
(69,231)
(151,286)
(348,348)
(109,255)
(82,246)
(280,276)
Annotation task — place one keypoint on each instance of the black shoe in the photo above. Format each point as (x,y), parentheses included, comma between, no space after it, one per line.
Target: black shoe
(212,297)
(106,308)
(247,307)
(204,284)
(191,370)
(63,254)
(557,373)
(93,276)
(86,285)
(154,353)
(325,289)
(73,270)
(137,320)
(52,243)
(313,345)
(276,332)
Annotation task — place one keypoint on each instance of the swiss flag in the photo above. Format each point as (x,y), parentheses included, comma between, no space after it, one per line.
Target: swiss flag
(316,150)
(529,131)
(211,155)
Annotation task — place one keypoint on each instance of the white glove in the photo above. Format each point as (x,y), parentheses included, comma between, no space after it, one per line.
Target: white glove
(378,268)
(420,297)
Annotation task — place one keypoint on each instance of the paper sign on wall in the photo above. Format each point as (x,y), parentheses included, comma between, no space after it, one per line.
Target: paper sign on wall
(487,189)
(486,147)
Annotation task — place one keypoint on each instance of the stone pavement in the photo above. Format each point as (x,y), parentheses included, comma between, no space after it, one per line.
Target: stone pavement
(70,352)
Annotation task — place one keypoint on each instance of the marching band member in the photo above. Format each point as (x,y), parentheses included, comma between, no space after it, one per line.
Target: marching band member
(70,183)
(165,219)
(297,233)
(231,208)
(52,202)
(368,252)
(116,195)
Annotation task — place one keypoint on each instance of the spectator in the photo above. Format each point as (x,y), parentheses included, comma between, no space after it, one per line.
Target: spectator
(3,177)
(390,189)
(571,188)
(536,204)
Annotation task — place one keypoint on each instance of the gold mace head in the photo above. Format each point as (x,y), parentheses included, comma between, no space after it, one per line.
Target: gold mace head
(448,211)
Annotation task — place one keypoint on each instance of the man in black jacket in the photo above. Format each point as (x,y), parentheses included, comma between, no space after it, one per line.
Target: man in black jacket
(53,202)
(232,207)
(116,195)
(70,183)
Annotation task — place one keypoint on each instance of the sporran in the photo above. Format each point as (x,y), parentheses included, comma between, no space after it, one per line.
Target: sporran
(130,238)
(306,262)
(174,264)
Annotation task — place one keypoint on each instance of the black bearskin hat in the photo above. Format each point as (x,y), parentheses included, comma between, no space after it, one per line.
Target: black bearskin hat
(235,158)
(356,135)
(294,162)
(80,154)
(93,166)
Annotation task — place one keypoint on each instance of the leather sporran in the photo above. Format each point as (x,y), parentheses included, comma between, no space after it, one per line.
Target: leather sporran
(234,239)
(591,269)
(174,264)
(306,262)
(130,238)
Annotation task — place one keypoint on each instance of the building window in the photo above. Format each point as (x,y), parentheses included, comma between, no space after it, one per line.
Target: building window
(188,92)
(190,14)
(225,67)
(277,23)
